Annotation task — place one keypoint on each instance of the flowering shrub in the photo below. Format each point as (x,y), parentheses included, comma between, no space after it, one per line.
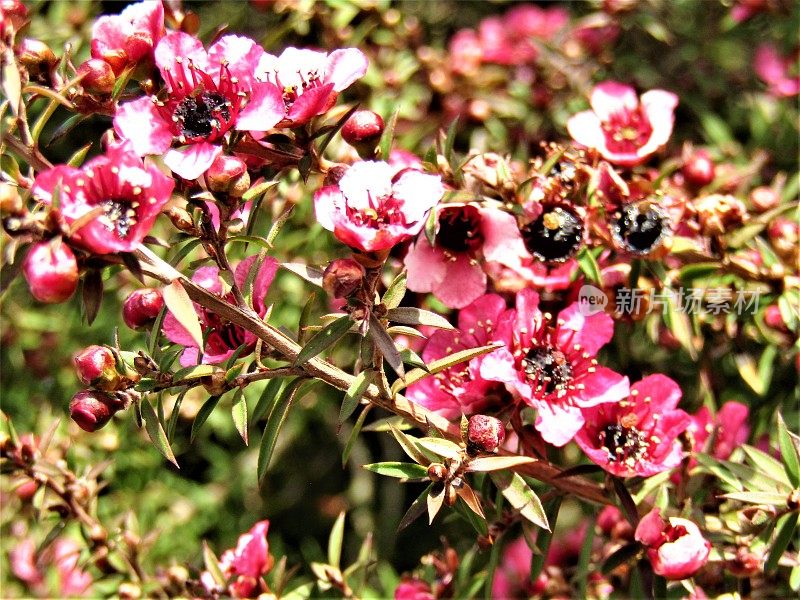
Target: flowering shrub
(435,300)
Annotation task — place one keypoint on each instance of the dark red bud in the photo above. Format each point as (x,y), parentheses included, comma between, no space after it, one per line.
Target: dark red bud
(773,318)
(363,131)
(342,277)
(141,308)
(228,174)
(14,12)
(98,76)
(699,169)
(51,272)
(484,434)
(91,410)
(97,366)
(335,174)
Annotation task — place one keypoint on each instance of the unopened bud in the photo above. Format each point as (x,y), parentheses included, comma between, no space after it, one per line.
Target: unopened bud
(10,201)
(96,366)
(699,168)
(719,214)
(14,12)
(141,308)
(36,56)
(764,198)
(784,235)
(436,471)
(484,434)
(342,277)
(181,219)
(228,174)
(774,319)
(363,131)
(91,410)
(51,272)
(97,76)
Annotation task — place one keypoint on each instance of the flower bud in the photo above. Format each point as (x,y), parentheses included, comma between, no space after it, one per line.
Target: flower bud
(342,277)
(719,214)
(437,471)
(91,410)
(98,76)
(774,319)
(784,235)
(141,308)
(363,131)
(699,168)
(484,434)
(14,12)
(228,174)
(764,198)
(181,219)
(51,272)
(96,366)
(36,57)
(10,201)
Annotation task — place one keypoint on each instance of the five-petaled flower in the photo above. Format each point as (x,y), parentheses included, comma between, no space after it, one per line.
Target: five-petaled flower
(111,202)
(676,548)
(552,367)
(207,95)
(125,39)
(223,338)
(622,128)
(373,209)
(637,436)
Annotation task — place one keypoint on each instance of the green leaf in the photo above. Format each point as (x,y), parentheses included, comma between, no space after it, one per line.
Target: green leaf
(786,527)
(324,339)
(275,421)
(588,264)
(195,372)
(415,510)
(268,397)
(278,225)
(388,136)
(305,316)
(417,316)
(351,440)
(408,444)
(239,414)
(202,415)
(758,497)
(711,465)
(122,81)
(409,357)
(156,432)
(544,538)
(354,394)
(335,541)
(619,557)
(257,190)
(441,364)
(394,295)
(582,569)
(385,345)
(520,495)
(212,564)
(180,305)
(766,464)
(400,470)
(789,453)
(450,141)
(430,227)
(76,160)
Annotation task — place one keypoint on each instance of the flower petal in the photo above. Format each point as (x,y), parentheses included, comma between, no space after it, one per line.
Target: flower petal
(591,332)
(192,161)
(141,123)
(264,110)
(344,67)
(612,97)
(426,266)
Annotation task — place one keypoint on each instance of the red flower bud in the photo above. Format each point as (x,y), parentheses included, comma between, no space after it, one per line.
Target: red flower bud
(14,12)
(141,308)
(342,277)
(363,131)
(96,366)
(51,272)
(91,410)
(36,56)
(764,198)
(774,319)
(98,76)
(10,201)
(699,169)
(484,434)
(228,174)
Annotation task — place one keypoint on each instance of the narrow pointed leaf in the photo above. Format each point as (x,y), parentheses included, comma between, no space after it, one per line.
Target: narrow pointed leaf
(202,415)
(520,495)
(239,414)
(212,564)
(156,432)
(275,421)
(415,510)
(354,394)
(394,295)
(399,470)
(351,440)
(416,316)
(441,364)
(310,274)
(335,541)
(268,397)
(789,453)
(786,529)
(324,339)
(434,502)
(180,305)
(385,344)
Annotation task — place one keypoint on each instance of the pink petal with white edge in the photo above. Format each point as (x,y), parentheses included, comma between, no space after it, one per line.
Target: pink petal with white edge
(142,125)
(345,67)
(46,182)
(604,385)
(178,45)
(192,161)
(264,110)
(327,202)
(586,129)
(612,97)
(419,193)
(502,241)
(426,266)
(241,54)
(208,278)
(659,108)
(650,528)
(592,332)
(464,281)
(663,391)
(499,366)
(557,423)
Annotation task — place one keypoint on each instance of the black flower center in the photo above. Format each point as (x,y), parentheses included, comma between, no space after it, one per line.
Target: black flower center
(459,229)
(623,444)
(201,115)
(548,369)
(118,216)
(640,228)
(555,236)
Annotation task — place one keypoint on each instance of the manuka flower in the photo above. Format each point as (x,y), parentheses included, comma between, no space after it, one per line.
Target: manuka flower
(373,209)
(244,565)
(728,429)
(552,367)
(622,128)
(310,81)
(127,38)
(637,436)
(775,70)
(207,95)
(461,389)
(676,548)
(114,199)
(451,269)
(223,338)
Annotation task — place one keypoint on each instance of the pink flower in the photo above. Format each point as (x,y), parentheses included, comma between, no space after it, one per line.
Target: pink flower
(624,129)
(729,429)
(127,38)
(532,21)
(244,565)
(452,269)
(461,389)
(372,208)
(676,548)
(125,195)
(532,273)
(773,69)
(413,589)
(207,95)
(63,554)
(552,368)
(745,9)
(311,80)
(637,436)
(72,581)
(223,338)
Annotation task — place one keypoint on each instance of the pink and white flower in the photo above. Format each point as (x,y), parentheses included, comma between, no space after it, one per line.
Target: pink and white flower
(624,129)
(127,38)
(461,389)
(774,70)
(637,436)
(452,268)
(244,565)
(676,548)
(223,338)
(207,94)
(373,209)
(310,81)
(552,367)
(116,196)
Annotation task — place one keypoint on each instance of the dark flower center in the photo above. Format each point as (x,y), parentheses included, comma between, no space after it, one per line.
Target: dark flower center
(640,228)
(201,115)
(555,236)
(119,216)
(548,369)
(623,444)
(460,229)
